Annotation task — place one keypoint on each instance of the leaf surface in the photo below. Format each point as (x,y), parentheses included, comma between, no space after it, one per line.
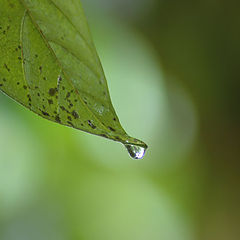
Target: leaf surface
(50,65)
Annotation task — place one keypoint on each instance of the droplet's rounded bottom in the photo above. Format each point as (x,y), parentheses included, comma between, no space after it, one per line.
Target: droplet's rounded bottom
(136,152)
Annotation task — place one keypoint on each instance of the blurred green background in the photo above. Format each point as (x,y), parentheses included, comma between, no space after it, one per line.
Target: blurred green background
(173,73)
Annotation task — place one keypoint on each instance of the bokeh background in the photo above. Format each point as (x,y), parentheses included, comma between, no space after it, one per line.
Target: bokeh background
(173,69)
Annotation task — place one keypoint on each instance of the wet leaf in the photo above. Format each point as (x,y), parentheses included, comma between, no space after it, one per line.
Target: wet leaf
(49,64)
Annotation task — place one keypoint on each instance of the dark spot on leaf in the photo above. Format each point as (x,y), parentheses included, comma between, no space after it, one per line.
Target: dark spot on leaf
(5,65)
(52,91)
(50,101)
(75,114)
(63,108)
(70,123)
(68,95)
(91,124)
(103,135)
(112,129)
(29,98)
(45,113)
(57,118)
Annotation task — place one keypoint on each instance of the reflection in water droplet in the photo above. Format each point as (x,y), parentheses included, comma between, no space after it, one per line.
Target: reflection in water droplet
(136,152)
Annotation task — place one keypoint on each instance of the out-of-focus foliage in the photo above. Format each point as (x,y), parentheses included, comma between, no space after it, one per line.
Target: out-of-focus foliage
(180,62)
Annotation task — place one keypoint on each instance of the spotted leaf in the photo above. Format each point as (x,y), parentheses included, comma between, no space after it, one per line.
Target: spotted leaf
(49,64)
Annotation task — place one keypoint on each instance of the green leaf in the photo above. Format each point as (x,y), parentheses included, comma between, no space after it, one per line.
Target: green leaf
(49,64)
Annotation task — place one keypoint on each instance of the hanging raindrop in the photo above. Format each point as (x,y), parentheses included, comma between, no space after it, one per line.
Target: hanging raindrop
(136,152)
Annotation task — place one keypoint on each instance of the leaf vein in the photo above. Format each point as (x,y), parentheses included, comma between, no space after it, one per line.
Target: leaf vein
(21,42)
(68,19)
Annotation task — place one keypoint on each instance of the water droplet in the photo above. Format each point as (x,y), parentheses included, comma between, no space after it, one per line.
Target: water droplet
(136,152)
